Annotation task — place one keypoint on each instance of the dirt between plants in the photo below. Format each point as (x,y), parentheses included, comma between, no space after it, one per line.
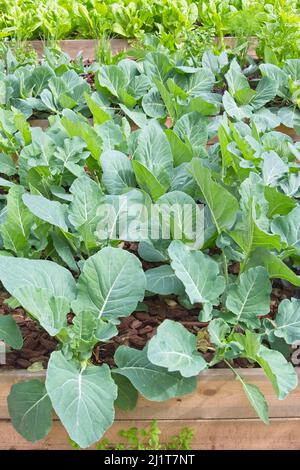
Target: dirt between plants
(134,331)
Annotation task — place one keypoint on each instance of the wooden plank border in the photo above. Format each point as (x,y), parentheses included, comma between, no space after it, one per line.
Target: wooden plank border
(85,46)
(88,46)
(217,411)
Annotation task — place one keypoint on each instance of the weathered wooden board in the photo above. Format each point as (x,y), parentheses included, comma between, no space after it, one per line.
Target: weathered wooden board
(218,396)
(246,434)
(85,46)
(218,412)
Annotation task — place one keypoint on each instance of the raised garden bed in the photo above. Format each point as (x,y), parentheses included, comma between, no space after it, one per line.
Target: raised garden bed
(88,287)
(218,412)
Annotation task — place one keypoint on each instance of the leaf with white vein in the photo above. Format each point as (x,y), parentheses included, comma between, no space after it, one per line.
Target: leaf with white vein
(288,320)
(251,296)
(153,382)
(273,168)
(162,280)
(83,398)
(111,284)
(43,288)
(175,348)
(30,409)
(52,212)
(198,272)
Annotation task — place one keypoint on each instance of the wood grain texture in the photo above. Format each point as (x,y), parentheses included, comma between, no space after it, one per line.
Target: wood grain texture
(218,396)
(85,46)
(217,411)
(281,434)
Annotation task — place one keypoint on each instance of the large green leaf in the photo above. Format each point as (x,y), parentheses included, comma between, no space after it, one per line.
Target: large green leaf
(87,196)
(17,225)
(192,129)
(277,75)
(137,116)
(64,251)
(43,288)
(196,84)
(288,227)
(218,329)
(233,110)
(10,332)
(223,205)
(175,348)
(162,280)
(147,181)
(83,398)
(266,90)
(125,216)
(281,373)
(112,78)
(99,114)
(38,79)
(235,78)
(157,66)
(292,69)
(110,134)
(7,165)
(86,132)
(153,104)
(273,168)
(257,400)
(182,219)
(182,152)
(111,284)
(52,212)
(198,272)
(127,394)
(276,268)
(30,409)
(118,174)
(250,236)
(250,298)
(153,382)
(207,104)
(287,320)
(279,203)
(153,151)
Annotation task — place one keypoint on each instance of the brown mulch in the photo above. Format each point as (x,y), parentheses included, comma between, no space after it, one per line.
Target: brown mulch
(134,331)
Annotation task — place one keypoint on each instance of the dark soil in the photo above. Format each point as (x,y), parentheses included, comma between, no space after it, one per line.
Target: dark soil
(134,331)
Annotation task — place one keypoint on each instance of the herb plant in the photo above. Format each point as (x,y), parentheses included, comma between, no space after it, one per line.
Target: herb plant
(149,439)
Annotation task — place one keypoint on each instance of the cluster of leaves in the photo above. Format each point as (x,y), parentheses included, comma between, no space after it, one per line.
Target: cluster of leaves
(160,84)
(59,19)
(147,439)
(275,23)
(55,261)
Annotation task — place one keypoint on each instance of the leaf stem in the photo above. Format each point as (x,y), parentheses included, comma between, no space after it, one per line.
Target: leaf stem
(225,269)
(233,370)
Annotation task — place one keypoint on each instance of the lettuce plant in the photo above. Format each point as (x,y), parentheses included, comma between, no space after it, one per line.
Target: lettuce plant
(62,259)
